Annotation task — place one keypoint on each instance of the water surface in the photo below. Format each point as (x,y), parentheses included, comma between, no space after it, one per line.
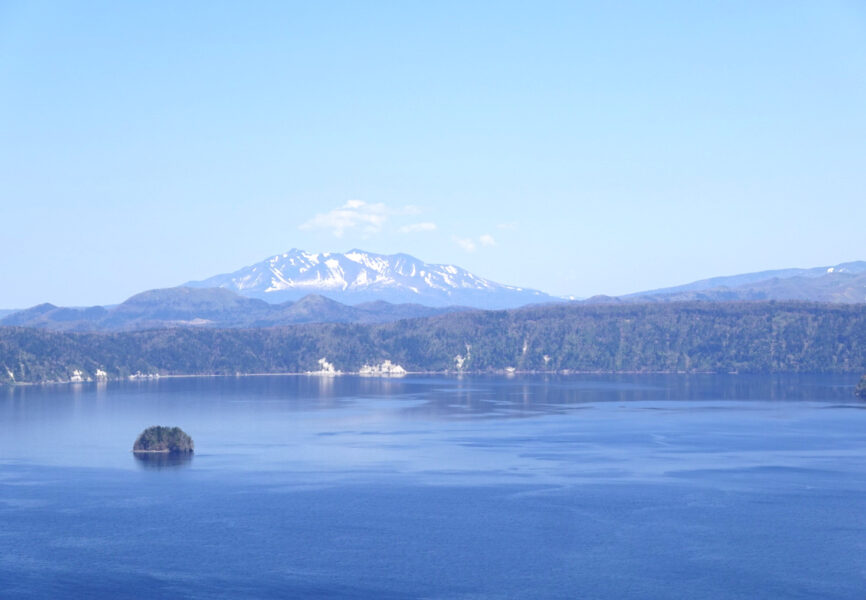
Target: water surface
(433,487)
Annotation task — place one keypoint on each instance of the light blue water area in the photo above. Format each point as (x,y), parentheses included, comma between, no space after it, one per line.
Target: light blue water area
(602,487)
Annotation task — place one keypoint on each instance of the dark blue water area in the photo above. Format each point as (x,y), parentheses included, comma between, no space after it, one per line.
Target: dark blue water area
(602,487)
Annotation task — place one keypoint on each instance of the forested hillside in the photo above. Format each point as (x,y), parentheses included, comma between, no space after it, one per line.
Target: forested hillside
(745,337)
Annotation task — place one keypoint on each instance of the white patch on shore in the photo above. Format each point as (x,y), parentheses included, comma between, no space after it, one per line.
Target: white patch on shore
(460,360)
(327,369)
(140,375)
(386,368)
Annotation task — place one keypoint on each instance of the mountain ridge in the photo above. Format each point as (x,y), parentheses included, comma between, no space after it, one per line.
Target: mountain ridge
(844,283)
(211,307)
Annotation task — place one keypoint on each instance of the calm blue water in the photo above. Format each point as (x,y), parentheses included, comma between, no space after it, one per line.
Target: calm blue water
(431,487)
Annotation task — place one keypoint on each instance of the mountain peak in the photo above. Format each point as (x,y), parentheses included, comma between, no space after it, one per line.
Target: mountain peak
(362,276)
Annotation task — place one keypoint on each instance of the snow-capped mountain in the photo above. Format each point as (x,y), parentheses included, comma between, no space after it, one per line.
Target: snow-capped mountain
(359,276)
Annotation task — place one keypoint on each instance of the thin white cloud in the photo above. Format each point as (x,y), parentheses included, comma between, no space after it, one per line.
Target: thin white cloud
(471,244)
(467,244)
(417,227)
(356,215)
(507,226)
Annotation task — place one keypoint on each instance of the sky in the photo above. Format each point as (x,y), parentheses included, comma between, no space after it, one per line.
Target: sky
(577,148)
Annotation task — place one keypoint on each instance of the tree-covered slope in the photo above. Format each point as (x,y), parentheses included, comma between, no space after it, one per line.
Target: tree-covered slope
(860,390)
(746,337)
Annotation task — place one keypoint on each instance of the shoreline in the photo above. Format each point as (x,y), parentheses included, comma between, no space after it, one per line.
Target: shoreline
(497,372)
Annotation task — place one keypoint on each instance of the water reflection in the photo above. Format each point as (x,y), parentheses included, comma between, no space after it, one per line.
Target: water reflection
(163,460)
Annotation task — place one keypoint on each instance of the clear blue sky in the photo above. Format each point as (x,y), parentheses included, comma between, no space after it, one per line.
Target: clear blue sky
(575,148)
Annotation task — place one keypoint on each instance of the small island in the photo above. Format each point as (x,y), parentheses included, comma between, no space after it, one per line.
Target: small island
(172,440)
(860,390)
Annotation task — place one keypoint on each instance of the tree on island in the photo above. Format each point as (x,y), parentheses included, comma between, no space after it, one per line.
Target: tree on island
(860,390)
(163,439)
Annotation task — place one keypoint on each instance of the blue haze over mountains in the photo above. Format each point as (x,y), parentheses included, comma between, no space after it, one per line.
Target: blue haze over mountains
(363,287)
(212,307)
(845,283)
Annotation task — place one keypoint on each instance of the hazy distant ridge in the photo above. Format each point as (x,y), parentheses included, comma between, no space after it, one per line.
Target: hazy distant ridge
(842,283)
(212,307)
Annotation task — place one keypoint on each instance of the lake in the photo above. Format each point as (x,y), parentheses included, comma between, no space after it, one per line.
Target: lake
(600,486)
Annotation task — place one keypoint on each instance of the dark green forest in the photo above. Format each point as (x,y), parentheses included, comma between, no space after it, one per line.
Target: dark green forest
(758,337)
(163,439)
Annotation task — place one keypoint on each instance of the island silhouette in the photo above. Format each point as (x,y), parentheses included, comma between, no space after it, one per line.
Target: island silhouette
(163,440)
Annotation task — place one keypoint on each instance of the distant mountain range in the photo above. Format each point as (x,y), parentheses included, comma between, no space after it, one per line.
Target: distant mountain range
(300,287)
(359,276)
(842,283)
(212,307)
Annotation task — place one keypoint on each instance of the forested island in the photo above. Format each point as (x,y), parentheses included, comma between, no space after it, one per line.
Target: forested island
(757,337)
(163,440)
